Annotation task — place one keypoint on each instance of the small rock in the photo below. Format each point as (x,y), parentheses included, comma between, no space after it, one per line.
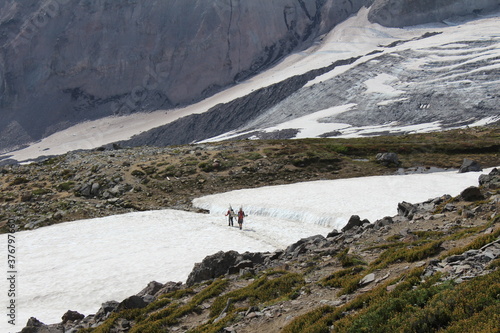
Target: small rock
(333,233)
(455,258)
(26,196)
(485,257)
(471,253)
(449,207)
(388,159)
(105,310)
(367,279)
(251,309)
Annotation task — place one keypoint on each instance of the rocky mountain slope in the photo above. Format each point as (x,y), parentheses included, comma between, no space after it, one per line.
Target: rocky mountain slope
(432,267)
(62,63)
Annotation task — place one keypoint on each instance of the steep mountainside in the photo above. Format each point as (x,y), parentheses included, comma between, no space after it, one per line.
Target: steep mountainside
(394,13)
(445,77)
(63,62)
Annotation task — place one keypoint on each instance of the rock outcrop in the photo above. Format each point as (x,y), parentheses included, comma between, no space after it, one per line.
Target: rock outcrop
(63,62)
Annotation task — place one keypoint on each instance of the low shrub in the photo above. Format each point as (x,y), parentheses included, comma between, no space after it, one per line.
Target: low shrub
(19,181)
(262,290)
(66,186)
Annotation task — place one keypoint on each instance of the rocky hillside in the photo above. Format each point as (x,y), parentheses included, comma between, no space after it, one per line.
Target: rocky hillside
(434,266)
(111,180)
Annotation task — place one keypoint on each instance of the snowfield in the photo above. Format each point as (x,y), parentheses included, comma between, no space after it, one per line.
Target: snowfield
(79,265)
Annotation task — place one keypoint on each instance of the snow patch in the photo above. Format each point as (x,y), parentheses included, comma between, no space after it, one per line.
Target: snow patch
(381,85)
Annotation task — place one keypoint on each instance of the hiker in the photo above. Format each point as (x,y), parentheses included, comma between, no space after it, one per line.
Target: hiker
(241,215)
(231,214)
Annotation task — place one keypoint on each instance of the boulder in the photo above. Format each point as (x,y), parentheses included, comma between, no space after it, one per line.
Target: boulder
(354,222)
(72,316)
(105,310)
(472,193)
(406,209)
(35,326)
(388,159)
(26,196)
(382,222)
(94,190)
(470,166)
(239,266)
(254,257)
(132,302)
(85,190)
(303,244)
(491,180)
(167,288)
(212,267)
(151,289)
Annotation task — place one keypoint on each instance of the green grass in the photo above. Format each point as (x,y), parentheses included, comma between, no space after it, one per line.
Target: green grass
(19,181)
(41,191)
(252,156)
(164,312)
(341,278)
(477,243)
(432,307)
(270,287)
(66,186)
(349,260)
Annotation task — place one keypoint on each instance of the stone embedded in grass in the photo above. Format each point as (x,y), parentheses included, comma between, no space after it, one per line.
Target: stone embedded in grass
(367,279)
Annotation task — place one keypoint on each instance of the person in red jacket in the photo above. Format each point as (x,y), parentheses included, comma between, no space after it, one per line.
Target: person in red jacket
(241,215)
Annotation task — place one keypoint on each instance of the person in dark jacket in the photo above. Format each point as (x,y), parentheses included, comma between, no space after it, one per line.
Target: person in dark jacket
(231,214)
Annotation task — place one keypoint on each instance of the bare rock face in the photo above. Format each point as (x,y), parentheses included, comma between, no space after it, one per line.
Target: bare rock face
(397,13)
(62,62)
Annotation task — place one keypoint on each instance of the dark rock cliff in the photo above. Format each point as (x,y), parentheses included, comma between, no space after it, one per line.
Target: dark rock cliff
(63,62)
